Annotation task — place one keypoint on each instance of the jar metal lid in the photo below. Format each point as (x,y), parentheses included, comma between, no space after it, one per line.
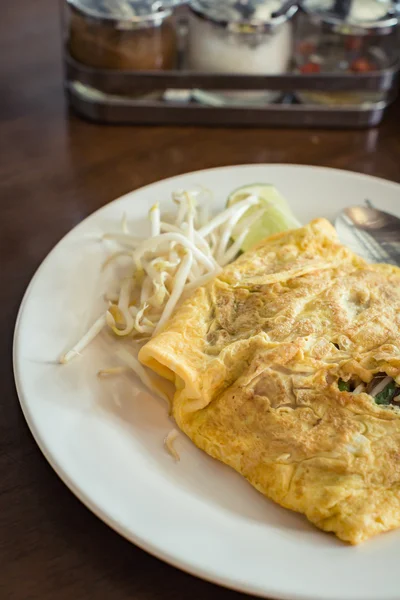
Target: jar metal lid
(125,14)
(354,17)
(245,16)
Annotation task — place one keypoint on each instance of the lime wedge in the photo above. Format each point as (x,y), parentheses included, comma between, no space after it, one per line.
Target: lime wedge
(276,217)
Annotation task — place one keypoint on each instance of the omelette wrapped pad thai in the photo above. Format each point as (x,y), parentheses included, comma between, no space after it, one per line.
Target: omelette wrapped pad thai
(285,368)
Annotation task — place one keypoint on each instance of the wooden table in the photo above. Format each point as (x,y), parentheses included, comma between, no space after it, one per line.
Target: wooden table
(54,170)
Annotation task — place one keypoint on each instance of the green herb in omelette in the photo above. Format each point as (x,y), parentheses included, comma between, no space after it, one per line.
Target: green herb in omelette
(385,396)
(344,386)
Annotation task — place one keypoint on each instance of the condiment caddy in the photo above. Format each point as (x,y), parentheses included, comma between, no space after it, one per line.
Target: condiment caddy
(324,63)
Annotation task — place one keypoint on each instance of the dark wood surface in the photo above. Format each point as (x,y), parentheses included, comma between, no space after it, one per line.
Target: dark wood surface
(54,170)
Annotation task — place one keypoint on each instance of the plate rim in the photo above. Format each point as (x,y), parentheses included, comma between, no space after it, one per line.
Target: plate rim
(145,545)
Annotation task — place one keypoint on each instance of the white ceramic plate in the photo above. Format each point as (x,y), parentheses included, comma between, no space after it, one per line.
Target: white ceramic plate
(106,443)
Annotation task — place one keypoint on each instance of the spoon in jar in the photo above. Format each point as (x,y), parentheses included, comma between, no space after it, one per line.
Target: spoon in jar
(284,9)
(342,8)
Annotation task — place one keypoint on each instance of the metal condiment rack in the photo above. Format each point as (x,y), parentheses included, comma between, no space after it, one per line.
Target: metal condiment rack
(115,103)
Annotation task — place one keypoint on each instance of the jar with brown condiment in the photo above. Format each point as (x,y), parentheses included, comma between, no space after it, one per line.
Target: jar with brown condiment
(137,35)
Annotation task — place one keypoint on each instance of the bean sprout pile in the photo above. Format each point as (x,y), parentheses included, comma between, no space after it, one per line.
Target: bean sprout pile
(180,255)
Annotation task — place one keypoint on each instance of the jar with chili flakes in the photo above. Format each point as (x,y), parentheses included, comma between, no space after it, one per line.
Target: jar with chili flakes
(345,36)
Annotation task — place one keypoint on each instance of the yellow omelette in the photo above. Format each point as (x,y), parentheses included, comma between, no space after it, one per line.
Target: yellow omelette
(261,360)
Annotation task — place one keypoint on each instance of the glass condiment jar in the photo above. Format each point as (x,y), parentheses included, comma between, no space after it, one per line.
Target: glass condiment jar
(137,35)
(345,36)
(239,37)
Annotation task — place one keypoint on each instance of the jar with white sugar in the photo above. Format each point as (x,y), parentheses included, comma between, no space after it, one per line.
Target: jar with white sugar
(252,37)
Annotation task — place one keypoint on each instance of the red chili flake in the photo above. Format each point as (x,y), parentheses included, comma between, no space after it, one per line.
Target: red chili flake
(306,47)
(362,65)
(353,43)
(310,67)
